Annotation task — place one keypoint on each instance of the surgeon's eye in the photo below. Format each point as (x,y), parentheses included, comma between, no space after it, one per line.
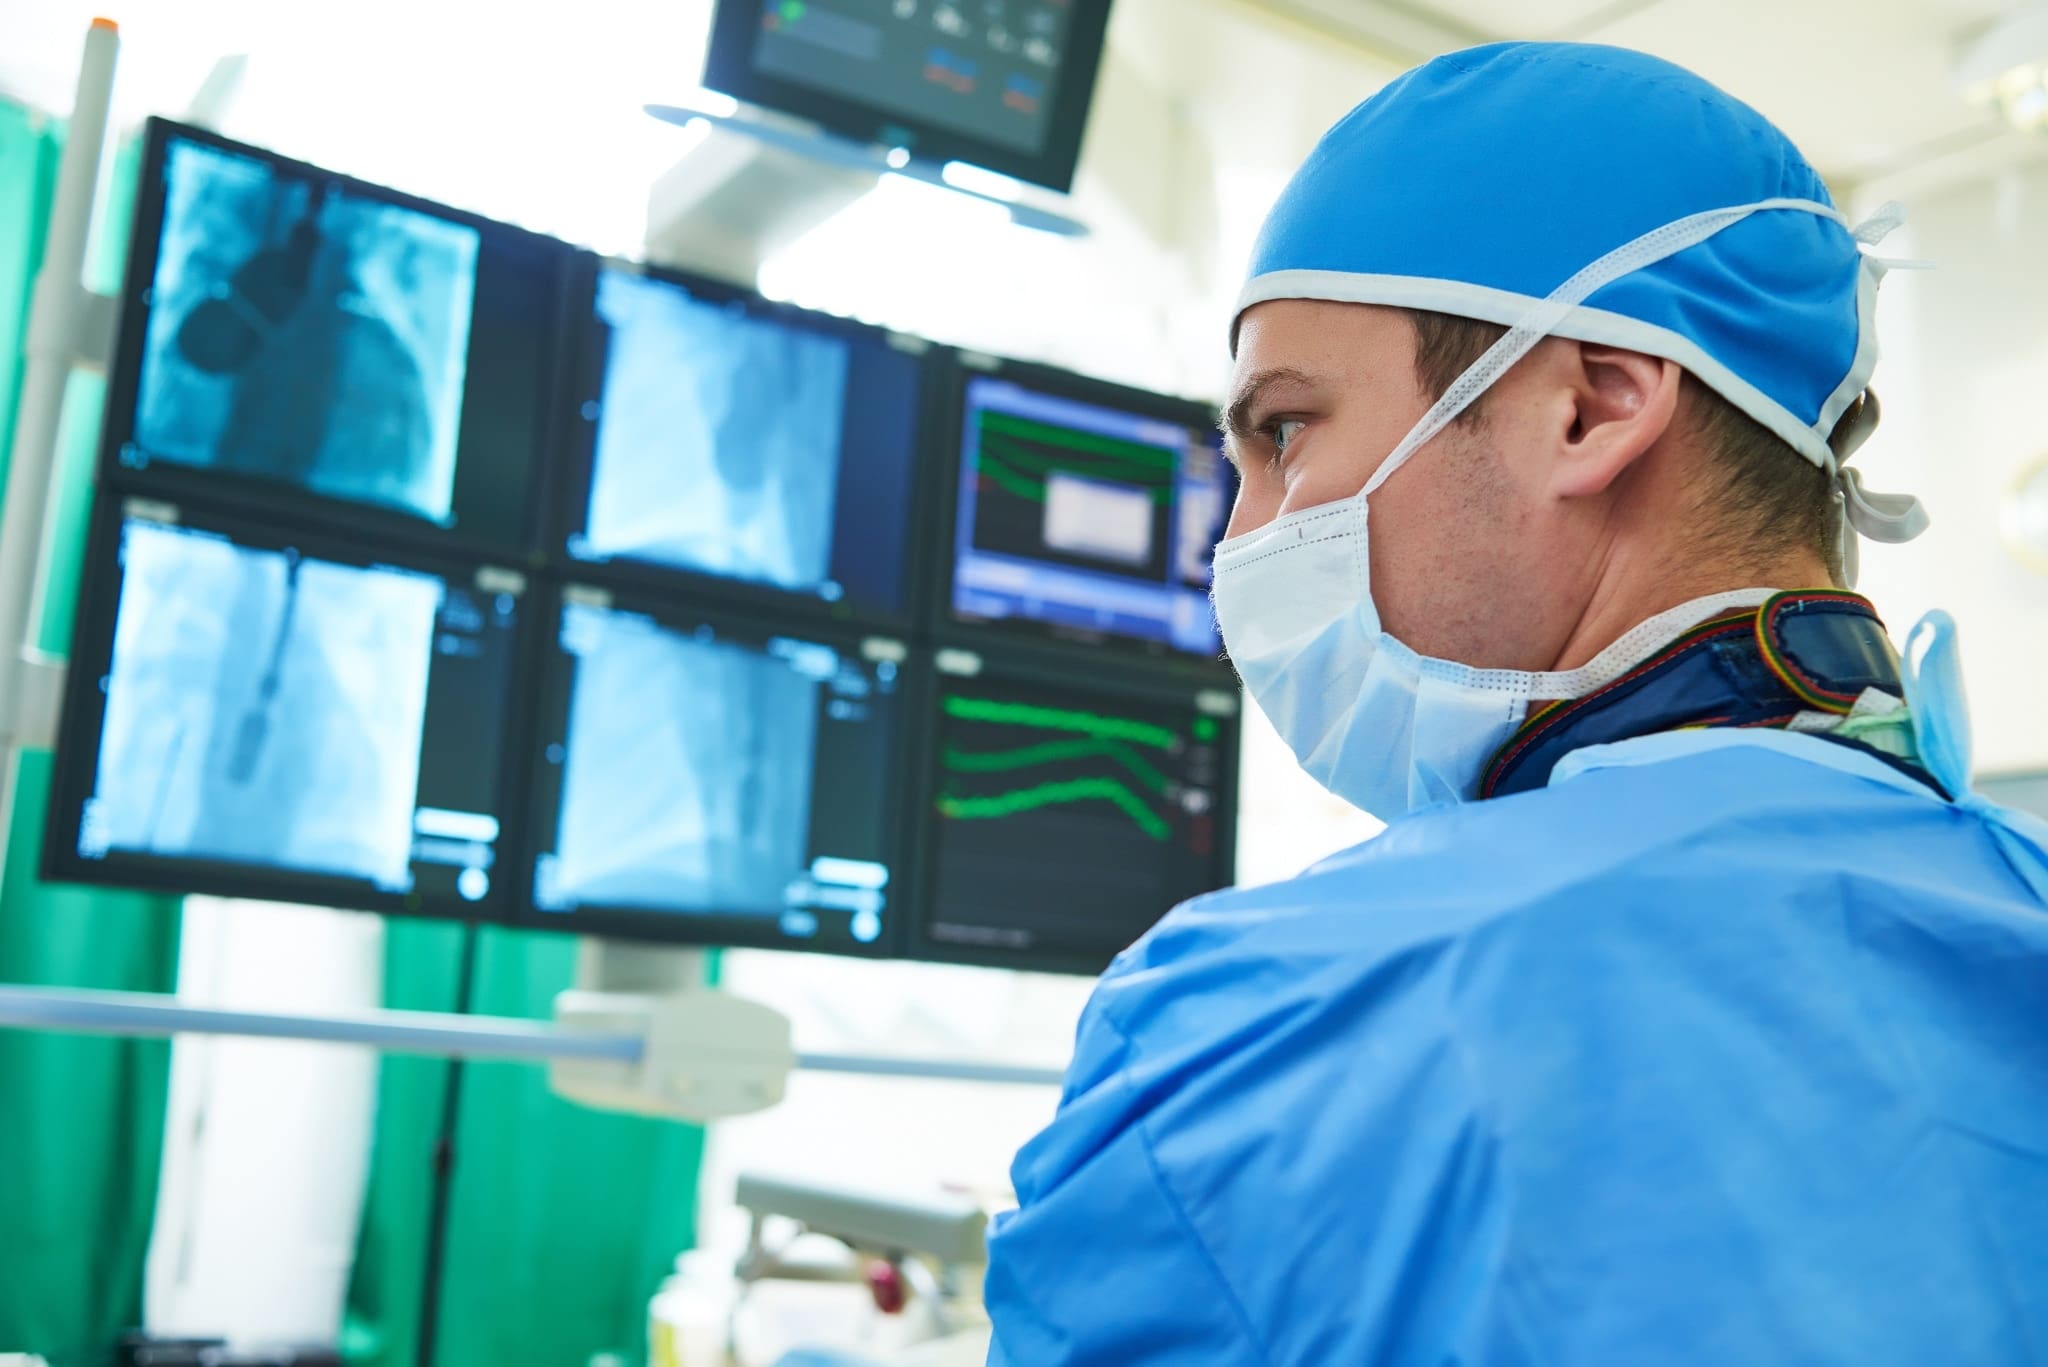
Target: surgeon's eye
(1283,434)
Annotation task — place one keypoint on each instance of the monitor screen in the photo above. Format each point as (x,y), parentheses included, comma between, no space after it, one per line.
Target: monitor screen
(258,716)
(1077,517)
(732,438)
(717,783)
(1001,83)
(289,330)
(1066,818)
(986,70)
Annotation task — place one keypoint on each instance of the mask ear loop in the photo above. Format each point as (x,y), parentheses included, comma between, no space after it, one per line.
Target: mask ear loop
(1543,318)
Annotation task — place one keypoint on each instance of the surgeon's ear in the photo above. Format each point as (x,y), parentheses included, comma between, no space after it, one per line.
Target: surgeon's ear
(1621,404)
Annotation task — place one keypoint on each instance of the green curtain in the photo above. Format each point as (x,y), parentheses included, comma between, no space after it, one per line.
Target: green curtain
(81,1118)
(563,1220)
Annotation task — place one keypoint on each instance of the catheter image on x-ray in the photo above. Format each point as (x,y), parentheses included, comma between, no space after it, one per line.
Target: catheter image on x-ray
(688,774)
(262,708)
(718,441)
(305,335)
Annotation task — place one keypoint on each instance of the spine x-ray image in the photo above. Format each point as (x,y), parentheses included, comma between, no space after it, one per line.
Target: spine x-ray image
(718,445)
(305,335)
(262,708)
(687,784)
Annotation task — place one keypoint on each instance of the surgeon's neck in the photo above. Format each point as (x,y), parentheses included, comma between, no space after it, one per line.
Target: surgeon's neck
(1624,598)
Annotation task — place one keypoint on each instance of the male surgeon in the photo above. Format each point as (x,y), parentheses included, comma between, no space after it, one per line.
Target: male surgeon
(1690,1008)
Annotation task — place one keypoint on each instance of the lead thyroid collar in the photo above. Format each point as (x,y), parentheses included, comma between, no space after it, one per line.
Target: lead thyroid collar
(1799,654)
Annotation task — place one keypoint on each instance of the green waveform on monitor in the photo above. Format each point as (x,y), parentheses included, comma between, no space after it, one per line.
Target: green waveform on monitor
(1159,458)
(1060,719)
(1018,455)
(1064,793)
(995,465)
(1010,481)
(1056,752)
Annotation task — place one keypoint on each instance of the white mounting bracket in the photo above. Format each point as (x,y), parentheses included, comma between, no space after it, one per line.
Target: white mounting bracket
(28,714)
(706,1055)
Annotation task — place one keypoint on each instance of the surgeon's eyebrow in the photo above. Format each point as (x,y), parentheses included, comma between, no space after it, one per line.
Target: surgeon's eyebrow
(1240,419)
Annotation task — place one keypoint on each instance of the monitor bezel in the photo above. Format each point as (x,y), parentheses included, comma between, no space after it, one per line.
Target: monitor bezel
(549,682)
(729,68)
(79,731)
(1028,665)
(1157,657)
(175,483)
(582,375)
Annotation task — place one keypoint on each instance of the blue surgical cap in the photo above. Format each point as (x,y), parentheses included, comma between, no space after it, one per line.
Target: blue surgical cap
(1486,182)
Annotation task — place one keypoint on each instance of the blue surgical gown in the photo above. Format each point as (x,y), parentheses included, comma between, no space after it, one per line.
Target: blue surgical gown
(1729,1048)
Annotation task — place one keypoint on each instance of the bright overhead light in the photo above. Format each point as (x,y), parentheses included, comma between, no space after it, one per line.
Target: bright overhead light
(2008,67)
(2024,517)
(2029,108)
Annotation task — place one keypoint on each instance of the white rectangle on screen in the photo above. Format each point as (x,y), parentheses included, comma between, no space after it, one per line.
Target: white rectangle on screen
(1089,517)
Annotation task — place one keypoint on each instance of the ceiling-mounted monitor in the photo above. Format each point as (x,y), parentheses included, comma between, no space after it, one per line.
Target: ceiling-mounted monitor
(315,347)
(761,452)
(259,713)
(1065,812)
(1086,511)
(714,779)
(1002,84)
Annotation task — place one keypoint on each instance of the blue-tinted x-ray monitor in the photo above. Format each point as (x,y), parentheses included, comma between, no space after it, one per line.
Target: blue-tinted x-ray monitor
(717,780)
(259,714)
(305,343)
(1065,811)
(766,453)
(1086,511)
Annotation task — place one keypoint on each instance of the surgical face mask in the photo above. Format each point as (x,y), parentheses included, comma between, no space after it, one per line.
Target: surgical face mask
(1370,719)
(1376,723)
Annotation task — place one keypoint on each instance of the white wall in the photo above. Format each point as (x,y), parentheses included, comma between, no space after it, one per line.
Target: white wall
(266,1142)
(1964,377)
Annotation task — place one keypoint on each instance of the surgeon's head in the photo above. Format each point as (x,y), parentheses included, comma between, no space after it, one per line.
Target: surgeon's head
(1687,319)
(1583,467)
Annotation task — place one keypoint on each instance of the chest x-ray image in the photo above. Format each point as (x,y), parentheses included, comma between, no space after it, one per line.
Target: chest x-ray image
(262,708)
(687,782)
(718,445)
(305,335)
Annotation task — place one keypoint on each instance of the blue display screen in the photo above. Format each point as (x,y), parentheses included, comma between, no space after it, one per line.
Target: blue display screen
(266,709)
(303,336)
(1087,518)
(727,774)
(747,442)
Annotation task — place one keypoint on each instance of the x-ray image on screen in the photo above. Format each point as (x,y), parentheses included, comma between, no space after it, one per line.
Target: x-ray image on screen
(262,708)
(302,334)
(687,782)
(719,443)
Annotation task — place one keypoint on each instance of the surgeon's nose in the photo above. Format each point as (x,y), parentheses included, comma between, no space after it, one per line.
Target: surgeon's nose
(1256,504)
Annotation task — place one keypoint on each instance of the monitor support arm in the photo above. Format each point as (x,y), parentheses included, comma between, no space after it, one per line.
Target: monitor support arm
(641,1032)
(694,1055)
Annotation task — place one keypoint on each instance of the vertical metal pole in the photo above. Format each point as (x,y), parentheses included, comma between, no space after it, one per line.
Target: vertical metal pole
(53,349)
(444,1166)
